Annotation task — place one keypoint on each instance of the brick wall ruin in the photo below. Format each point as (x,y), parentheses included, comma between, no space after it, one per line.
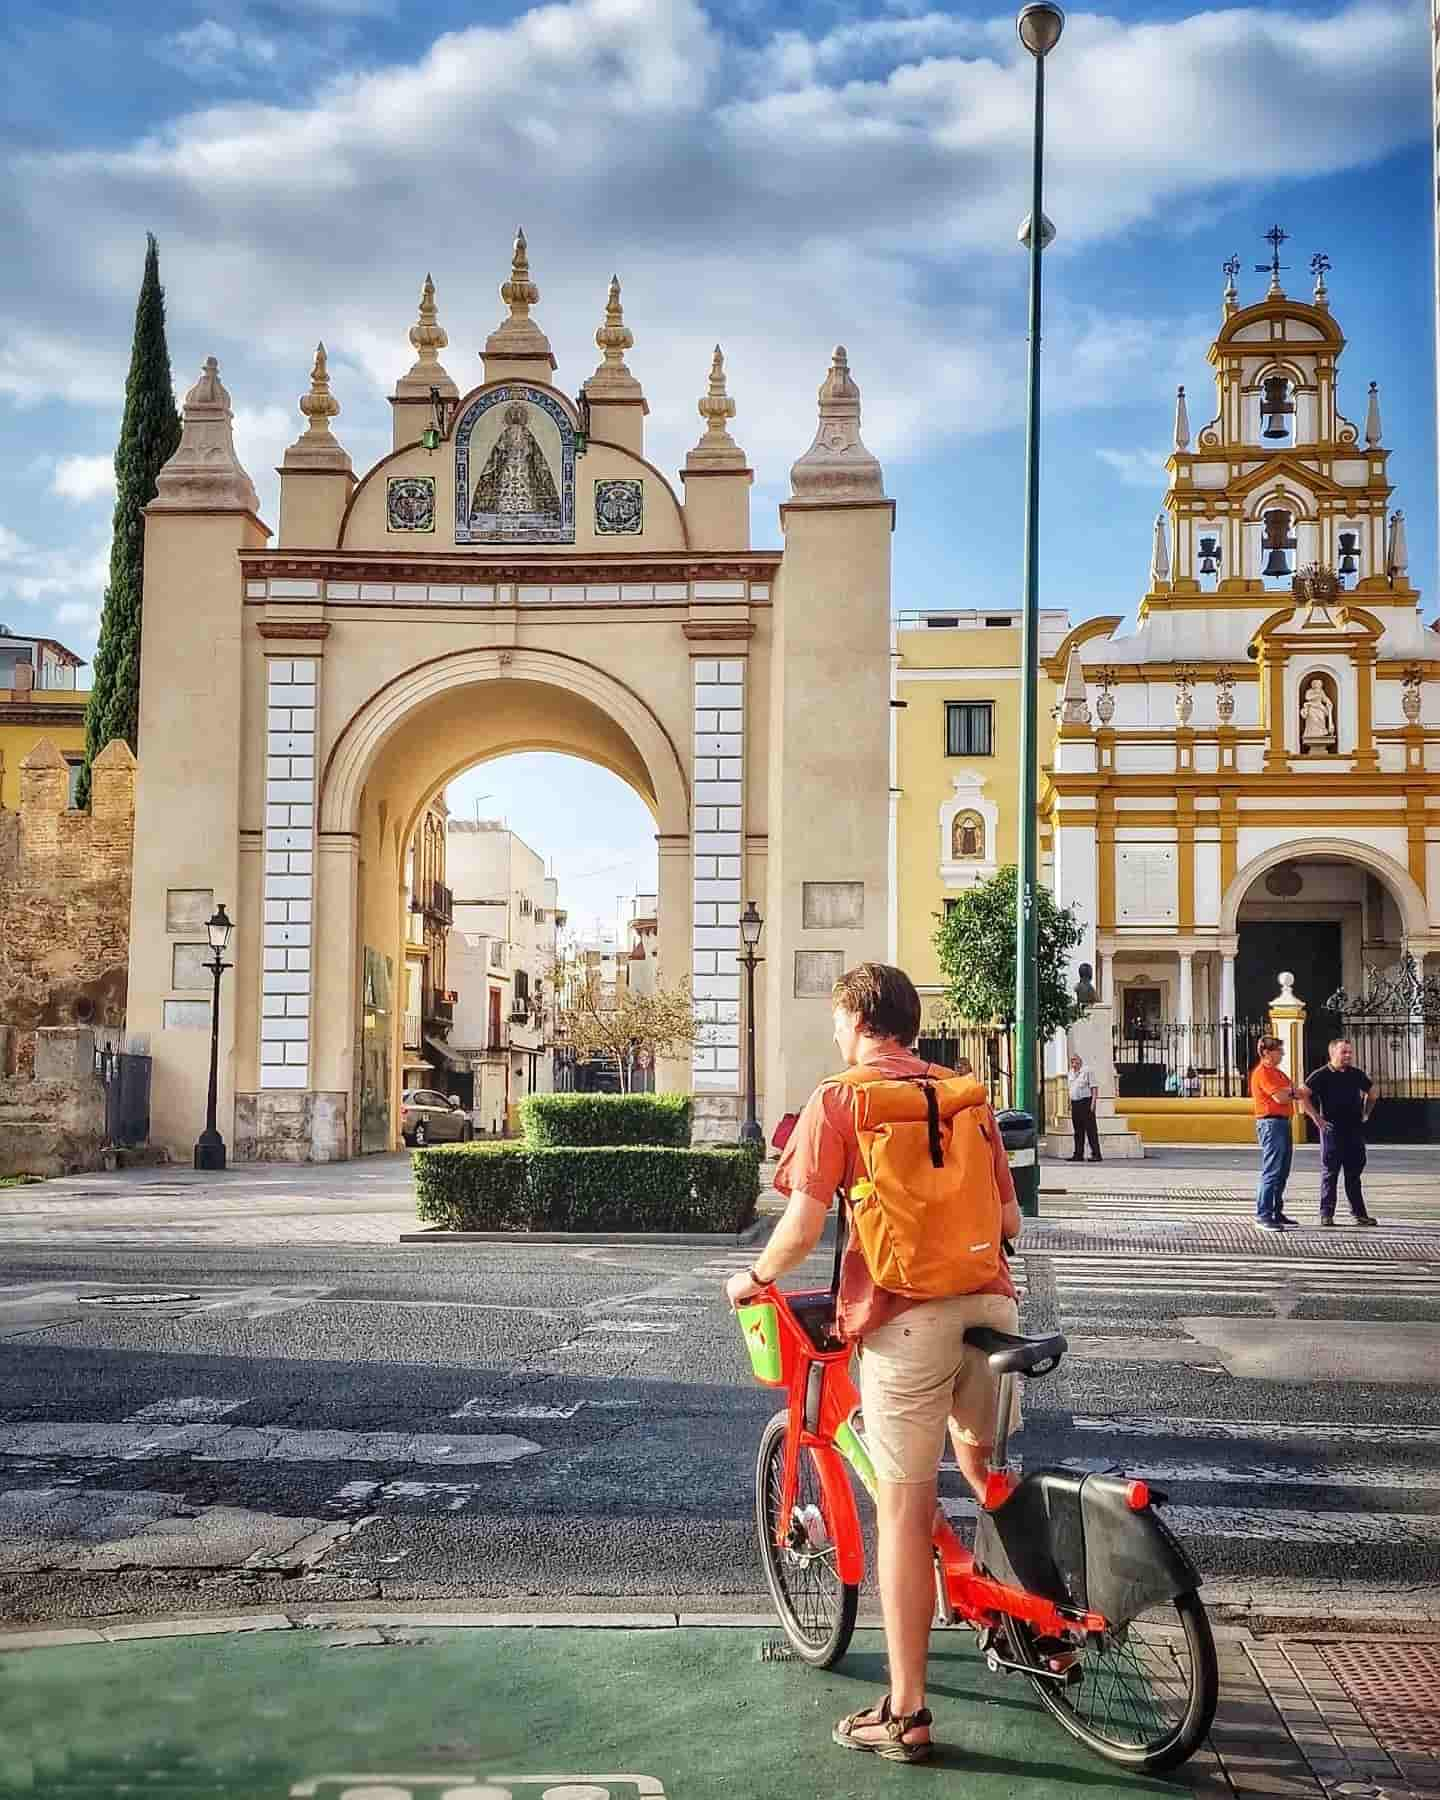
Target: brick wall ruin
(64,900)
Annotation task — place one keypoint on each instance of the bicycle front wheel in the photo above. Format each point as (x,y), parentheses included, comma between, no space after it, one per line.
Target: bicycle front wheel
(815,1606)
(1146,1699)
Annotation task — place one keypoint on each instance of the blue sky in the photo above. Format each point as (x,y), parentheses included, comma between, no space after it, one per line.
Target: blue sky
(779,178)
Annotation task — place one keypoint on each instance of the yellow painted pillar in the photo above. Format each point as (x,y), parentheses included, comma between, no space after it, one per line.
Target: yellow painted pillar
(1367,757)
(1273,674)
(1287,1022)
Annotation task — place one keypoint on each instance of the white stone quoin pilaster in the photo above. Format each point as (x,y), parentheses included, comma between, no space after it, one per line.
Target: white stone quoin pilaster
(289,872)
(719,691)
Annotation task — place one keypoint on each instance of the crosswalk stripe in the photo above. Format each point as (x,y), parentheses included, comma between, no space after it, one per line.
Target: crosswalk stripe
(258,1443)
(1336,1473)
(1350,1530)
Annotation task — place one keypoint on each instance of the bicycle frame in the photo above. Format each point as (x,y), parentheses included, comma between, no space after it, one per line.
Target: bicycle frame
(822,1401)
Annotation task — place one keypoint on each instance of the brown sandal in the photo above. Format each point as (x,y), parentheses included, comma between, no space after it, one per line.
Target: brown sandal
(892,1746)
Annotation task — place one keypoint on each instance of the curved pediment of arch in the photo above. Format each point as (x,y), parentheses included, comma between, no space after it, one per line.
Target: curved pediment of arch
(357,751)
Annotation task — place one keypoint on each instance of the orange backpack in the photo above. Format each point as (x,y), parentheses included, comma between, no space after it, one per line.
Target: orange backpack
(926,1212)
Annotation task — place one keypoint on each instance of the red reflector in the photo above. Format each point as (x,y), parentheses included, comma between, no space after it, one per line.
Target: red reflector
(1137,1496)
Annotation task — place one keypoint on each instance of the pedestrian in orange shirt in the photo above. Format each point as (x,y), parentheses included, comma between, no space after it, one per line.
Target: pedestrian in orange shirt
(1274,1096)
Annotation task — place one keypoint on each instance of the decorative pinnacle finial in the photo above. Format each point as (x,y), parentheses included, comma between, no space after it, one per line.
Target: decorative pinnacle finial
(319,406)
(520,293)
(1160,554)
(615,337)
(1372,417)
(1319,266)
(1275,237)
(715,406)
(427,334)
(1182,421)
(1231,267)
(837,465)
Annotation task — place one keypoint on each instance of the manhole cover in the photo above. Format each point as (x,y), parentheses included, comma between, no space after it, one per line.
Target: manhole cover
(165,1299)
(1396,1687)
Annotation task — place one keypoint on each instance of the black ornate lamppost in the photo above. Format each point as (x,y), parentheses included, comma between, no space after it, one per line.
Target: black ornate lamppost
(210,1146)
(751,925)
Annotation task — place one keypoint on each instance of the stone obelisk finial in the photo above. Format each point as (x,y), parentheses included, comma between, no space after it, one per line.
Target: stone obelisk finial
(612,378)
(716,448)
(1372,417)
(518,347)
(837,466)
(429,338)
(1182,421)
(205,474)
(317,446)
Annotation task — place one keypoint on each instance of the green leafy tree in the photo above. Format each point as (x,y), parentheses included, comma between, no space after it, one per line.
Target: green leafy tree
(975,943)
(149,435)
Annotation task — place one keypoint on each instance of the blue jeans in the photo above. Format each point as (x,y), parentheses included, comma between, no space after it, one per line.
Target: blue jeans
(1277,1149)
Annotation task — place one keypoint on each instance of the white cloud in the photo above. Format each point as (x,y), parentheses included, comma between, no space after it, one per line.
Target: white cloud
(84,477)
(32,575)
(775,200)
(216,50)
(12,546)
(1137,468)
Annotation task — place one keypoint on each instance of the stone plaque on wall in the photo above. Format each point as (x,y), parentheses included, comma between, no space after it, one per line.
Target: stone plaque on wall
(816,972)
(187,909)
(834,905)
(188,967)
(1147,884)
(187,1015)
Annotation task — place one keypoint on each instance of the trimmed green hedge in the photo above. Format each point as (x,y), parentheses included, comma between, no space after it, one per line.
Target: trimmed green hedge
(570,1121)
(631,1187)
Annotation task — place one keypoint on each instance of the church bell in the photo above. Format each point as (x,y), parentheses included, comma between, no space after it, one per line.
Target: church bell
(1209,555)
(1275,407)
(1349,553)
(1276,563)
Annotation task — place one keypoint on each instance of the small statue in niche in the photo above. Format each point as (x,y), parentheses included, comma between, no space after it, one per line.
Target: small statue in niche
(1085,994)
(1317,720)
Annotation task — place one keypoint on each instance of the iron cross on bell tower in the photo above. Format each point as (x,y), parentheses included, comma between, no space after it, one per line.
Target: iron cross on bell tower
(1275,237)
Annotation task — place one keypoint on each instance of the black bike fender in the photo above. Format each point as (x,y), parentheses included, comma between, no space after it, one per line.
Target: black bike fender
(1132,1558)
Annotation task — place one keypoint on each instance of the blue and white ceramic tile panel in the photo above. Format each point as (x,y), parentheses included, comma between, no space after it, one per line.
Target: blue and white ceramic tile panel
(289,872)
(522,528)
(718,786)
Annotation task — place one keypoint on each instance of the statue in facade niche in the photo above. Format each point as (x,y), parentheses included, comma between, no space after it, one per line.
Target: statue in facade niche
(516,478)
(1085,994)
(1317,719)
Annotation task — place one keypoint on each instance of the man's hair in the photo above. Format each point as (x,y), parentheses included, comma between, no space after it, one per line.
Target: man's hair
(1339,1040)
(882,998)
(1268,1043)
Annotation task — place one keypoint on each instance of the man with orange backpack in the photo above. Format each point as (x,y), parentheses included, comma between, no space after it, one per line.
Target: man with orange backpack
(918,1154)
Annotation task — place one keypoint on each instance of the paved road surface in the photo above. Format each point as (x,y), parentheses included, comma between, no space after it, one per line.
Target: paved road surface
(537,1423)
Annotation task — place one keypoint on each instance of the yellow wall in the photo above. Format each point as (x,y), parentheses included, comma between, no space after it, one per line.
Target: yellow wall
(986,661)
(63,722)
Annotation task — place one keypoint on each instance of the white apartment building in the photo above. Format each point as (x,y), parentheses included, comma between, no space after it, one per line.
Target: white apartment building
(502,968)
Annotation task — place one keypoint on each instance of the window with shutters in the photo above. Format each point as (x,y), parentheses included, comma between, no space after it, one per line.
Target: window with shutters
(969,727)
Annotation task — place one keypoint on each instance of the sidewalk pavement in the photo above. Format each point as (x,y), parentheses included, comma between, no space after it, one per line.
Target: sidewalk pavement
(382,1706)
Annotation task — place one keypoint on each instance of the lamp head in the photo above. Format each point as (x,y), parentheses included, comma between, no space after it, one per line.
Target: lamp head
(751,925)
(218,927)
(1039,26)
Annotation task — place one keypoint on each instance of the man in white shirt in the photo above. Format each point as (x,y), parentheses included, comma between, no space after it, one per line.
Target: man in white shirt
(1082,1111)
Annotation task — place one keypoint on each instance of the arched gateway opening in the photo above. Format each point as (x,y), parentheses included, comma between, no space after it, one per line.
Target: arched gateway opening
(514,574)
(403,749)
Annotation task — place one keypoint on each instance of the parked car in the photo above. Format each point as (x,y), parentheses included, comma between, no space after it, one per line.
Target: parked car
(429,1118)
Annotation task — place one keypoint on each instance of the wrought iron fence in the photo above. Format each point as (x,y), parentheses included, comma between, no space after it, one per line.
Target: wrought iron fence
(989,1051)
(1393,1024)
(599,1074)
(1202,1060)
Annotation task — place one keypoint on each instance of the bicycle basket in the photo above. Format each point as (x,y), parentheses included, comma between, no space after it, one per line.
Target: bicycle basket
(760,1328)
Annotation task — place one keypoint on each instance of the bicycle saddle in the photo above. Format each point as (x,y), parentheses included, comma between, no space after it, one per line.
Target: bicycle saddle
(1011,1355)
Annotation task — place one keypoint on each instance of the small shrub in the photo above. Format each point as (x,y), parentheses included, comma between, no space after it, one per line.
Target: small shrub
(457,1184)
(630,1187)
(571,1121)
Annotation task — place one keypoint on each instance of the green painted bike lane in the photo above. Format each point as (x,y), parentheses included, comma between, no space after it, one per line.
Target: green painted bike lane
(508,1714)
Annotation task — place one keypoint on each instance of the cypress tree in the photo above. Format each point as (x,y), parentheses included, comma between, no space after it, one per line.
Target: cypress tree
(149,436)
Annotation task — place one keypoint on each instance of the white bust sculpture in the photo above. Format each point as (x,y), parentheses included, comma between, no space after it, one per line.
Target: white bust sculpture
(1317,718)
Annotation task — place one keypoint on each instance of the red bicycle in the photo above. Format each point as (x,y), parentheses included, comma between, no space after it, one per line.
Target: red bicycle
(1064,1564)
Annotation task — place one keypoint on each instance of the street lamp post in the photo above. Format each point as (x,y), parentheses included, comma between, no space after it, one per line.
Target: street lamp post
(1039,27)
(751,925)
(210,1146)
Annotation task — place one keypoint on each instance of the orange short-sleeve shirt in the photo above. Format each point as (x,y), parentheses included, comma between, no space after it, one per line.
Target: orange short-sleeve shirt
(1265,1084)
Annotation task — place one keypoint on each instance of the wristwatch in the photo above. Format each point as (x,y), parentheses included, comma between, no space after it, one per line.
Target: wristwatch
(756,1277)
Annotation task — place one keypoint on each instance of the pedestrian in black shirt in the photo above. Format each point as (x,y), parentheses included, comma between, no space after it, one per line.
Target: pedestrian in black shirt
(1344,1097)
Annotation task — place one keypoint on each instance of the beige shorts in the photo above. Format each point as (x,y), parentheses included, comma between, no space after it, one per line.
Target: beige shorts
(917,1373)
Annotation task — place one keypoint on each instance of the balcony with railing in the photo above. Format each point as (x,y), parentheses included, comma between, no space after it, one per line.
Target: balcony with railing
(412,1031)
(439,1007)
(438,903)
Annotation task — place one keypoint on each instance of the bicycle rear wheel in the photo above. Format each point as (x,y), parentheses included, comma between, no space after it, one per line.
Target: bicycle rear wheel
(1146,1699)
(815,1606)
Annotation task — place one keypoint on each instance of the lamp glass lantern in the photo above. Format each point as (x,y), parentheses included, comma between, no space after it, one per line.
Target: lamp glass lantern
(751,925)
(1039,27)
(218,928)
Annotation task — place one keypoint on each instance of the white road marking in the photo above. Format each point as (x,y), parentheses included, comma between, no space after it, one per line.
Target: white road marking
(456,1495)
(1281,1430)
(255,1443)
(188,1409)
(485,1406)
(1351,1530)
(634,1327)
